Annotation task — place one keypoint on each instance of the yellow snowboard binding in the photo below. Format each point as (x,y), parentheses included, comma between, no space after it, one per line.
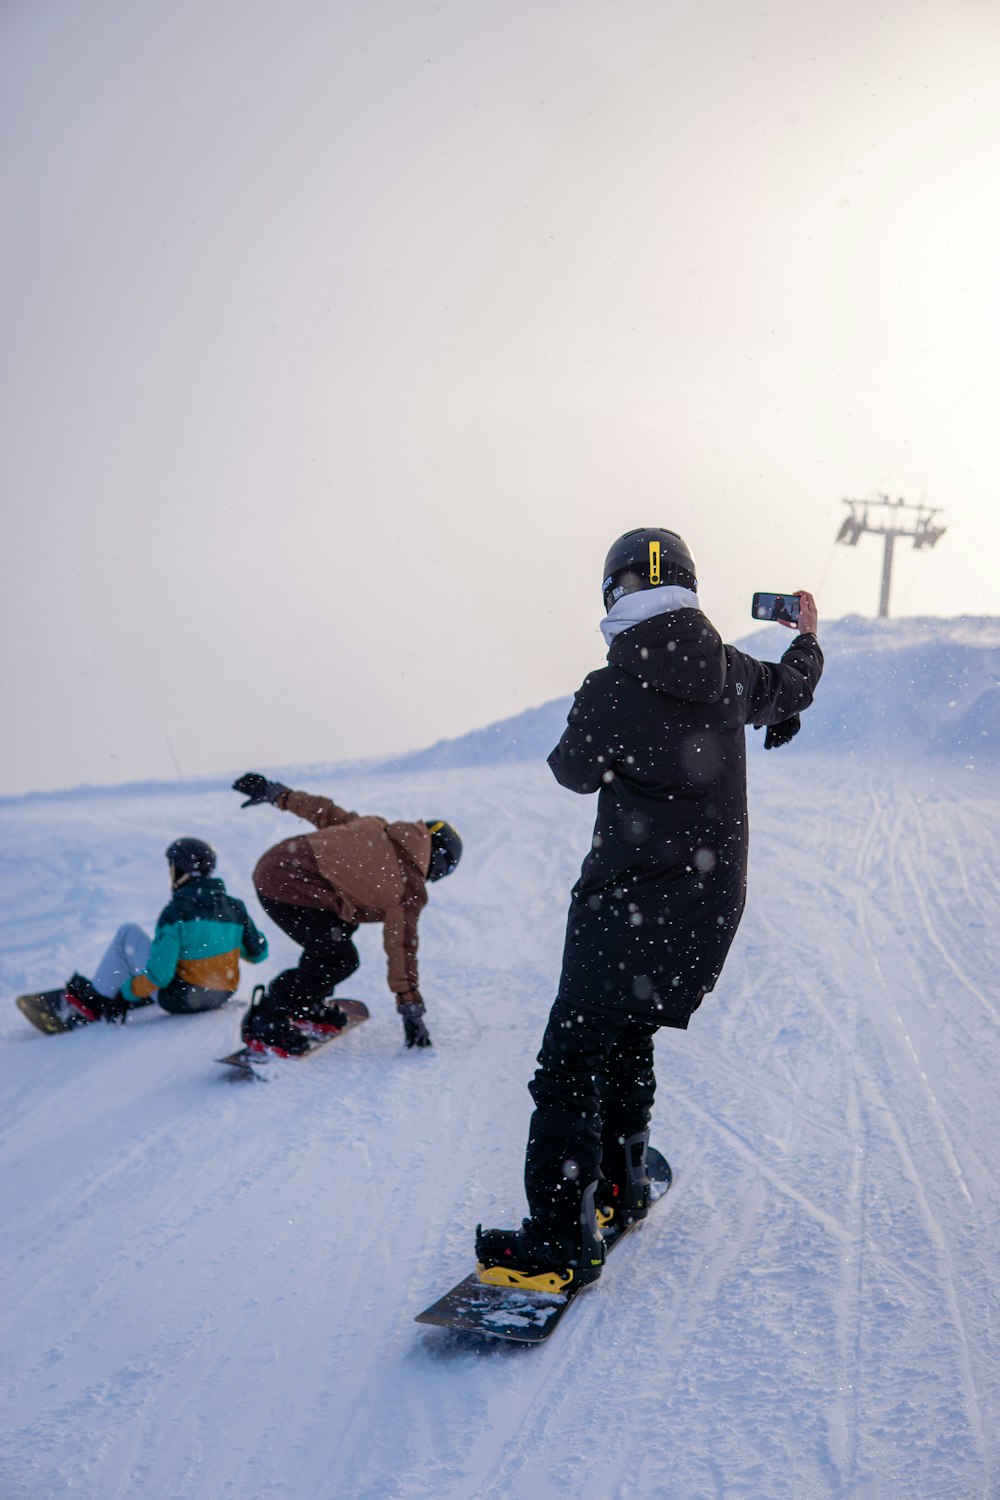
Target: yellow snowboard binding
(534,1261)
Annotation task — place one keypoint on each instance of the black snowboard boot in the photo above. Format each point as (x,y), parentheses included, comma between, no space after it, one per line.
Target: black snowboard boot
(321,1017)
(265,1029)
(540,1259)
(623,1193)
(83,1001)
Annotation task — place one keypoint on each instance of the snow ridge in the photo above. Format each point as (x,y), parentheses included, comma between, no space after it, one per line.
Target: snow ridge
(900,687)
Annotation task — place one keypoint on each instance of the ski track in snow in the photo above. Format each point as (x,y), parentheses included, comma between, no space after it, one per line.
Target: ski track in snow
(210,1285)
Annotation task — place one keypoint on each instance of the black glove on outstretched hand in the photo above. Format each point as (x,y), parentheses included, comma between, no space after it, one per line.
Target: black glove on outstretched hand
(780,734)
(416,1033)
(256,788)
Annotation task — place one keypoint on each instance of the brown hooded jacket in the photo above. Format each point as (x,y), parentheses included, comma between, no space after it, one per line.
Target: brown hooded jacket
(362,868)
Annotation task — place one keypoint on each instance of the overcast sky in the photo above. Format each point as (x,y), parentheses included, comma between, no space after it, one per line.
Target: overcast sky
(339,341)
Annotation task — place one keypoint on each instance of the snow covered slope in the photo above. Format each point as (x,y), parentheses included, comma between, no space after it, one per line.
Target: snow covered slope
(209,1287)
(903,687)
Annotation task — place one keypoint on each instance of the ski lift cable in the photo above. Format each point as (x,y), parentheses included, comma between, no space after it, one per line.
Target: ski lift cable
(829,561)
(915,448)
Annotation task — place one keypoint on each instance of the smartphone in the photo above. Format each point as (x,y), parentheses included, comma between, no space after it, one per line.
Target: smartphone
(775,607)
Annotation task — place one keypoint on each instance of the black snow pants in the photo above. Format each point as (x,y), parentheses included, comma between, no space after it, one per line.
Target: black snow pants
(593,1090)
(328,955)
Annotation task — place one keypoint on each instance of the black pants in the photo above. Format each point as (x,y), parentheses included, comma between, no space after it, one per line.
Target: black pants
(594,1088)
(183,999)
(328,955)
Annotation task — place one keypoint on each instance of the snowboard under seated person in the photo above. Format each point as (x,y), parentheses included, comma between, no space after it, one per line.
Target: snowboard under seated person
(659,734)
(190,964)
(319,887)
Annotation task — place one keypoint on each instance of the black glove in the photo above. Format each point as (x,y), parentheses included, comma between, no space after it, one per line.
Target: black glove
(780,734)
(256,788)
(115,1010)
(412,1012)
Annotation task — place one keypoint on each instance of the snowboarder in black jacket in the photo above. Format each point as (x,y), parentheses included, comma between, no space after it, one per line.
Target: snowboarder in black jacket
(659,734)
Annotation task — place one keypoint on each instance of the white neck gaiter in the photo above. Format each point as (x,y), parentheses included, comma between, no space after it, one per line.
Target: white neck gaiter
(643,605)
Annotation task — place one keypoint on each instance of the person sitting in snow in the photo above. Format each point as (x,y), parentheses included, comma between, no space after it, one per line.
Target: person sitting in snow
(192,961)
(317,887)
(659,734)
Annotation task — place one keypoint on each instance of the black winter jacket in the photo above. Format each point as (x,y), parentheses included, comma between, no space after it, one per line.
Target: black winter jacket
(659,734)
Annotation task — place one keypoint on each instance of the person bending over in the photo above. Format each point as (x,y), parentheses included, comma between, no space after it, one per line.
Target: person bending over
(319,886)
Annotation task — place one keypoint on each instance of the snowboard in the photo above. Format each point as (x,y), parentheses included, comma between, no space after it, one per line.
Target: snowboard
(527,1317)
(50,1011)
(249,1062)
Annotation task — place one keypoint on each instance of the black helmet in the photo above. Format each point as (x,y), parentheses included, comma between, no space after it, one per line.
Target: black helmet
(644,559)
(191,857)
(446,848)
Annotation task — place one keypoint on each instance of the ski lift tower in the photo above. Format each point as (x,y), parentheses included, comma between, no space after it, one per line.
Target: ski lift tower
(889,519)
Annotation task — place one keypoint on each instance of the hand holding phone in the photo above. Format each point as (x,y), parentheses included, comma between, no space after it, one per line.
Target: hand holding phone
(797,610)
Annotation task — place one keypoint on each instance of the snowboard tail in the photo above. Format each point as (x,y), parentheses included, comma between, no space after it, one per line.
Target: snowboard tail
(50,1011)
(257,1062)
(523,1316)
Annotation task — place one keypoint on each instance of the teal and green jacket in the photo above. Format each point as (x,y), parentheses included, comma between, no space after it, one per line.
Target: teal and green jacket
(200,938)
